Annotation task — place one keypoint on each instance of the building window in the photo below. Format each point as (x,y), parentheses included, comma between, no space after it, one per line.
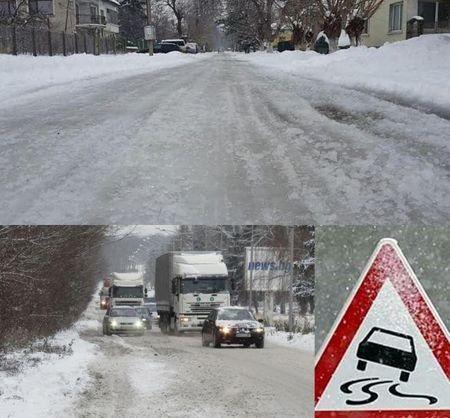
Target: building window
(427,10)
(112,16)
(7,8)
(94,14)
(395,17)
(40,7)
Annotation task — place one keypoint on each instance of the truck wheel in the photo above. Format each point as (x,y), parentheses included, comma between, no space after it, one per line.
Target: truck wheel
(361,365)
(216,342)
(404,376)
(259,344)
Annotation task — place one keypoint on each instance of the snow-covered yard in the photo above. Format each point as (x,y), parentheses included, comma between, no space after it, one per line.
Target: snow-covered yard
(28,74)
(415,70)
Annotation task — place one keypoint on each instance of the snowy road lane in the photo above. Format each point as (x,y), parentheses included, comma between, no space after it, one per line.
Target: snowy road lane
(168,376)
(221,141)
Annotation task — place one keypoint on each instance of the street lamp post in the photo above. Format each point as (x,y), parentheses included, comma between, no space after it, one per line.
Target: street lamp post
(149,23)
(291,281)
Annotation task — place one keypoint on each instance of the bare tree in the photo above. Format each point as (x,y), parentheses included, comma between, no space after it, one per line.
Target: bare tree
(346,14)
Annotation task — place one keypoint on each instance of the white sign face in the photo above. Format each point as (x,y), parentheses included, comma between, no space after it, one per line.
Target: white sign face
(388,354)
(269,270)
(379,385)
(149,33)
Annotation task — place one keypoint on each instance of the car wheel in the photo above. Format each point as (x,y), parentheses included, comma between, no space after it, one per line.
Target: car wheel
(361,365)
(259,344)
(216,342)
(204,343)
(404,376)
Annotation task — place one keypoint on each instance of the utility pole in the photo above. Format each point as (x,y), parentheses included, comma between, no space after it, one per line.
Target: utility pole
(291,281)
(250,294)
(149,23)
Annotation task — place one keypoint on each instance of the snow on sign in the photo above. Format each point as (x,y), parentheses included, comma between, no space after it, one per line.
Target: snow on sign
(388,354)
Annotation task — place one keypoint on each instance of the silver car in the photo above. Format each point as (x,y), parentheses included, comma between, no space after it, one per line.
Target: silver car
(122,320)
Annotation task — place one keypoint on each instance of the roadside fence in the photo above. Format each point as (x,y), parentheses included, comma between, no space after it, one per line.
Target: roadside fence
(17,40)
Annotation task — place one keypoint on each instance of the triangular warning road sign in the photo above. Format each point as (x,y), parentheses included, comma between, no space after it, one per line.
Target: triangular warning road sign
(388,354)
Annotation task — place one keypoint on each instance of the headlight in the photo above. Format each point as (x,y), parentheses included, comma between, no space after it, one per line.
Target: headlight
(113,323)
(259,330)
(225,330)
(138,324)
(144,319)
(184,319)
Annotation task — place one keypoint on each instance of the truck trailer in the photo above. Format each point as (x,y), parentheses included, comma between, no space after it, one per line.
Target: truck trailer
(127,289)
(188,285)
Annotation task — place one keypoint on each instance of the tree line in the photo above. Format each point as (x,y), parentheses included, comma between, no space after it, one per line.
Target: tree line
(232,240)
(47,277)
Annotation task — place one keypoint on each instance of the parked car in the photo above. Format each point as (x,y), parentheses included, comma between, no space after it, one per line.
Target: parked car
(179,42)
(123,319)
(191,48)
(388,348)
(145,315)
(232,325)
(165,48)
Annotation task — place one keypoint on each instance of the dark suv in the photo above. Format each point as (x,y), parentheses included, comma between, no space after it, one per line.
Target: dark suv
(232,325)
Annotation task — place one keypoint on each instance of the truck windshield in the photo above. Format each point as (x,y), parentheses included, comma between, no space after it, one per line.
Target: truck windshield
(123,312)
(128,292)
(204,285)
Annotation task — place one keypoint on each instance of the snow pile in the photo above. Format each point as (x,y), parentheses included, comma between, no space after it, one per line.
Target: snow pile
(415,70)
(301,341)
(28,74)
(49,382)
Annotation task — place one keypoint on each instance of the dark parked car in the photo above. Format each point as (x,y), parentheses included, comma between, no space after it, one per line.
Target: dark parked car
(124,320)
(165,48)
(388,348)
(232,325)
(146,316)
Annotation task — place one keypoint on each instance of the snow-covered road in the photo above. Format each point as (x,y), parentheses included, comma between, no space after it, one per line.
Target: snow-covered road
(220,141)
(170,376)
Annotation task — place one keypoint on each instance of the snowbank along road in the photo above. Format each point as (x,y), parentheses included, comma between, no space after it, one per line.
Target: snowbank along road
(220,140)
(170,376)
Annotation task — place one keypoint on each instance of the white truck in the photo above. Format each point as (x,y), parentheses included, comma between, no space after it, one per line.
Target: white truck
(127,289)
(187,286)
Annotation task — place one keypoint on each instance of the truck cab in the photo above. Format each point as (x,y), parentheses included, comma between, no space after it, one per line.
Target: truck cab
(188,286)
(127,289)
(195,297)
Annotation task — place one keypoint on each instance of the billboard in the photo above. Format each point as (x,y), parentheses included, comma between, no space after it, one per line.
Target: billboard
(269,270)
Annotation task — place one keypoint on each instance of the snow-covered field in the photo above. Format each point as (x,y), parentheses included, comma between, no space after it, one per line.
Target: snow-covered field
(415,70)
(27,74)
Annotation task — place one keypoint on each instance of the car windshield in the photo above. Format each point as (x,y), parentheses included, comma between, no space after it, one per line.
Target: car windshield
(128,292)
(123,312)
(389,340)
(204,285)
(142,311)
(235,314)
